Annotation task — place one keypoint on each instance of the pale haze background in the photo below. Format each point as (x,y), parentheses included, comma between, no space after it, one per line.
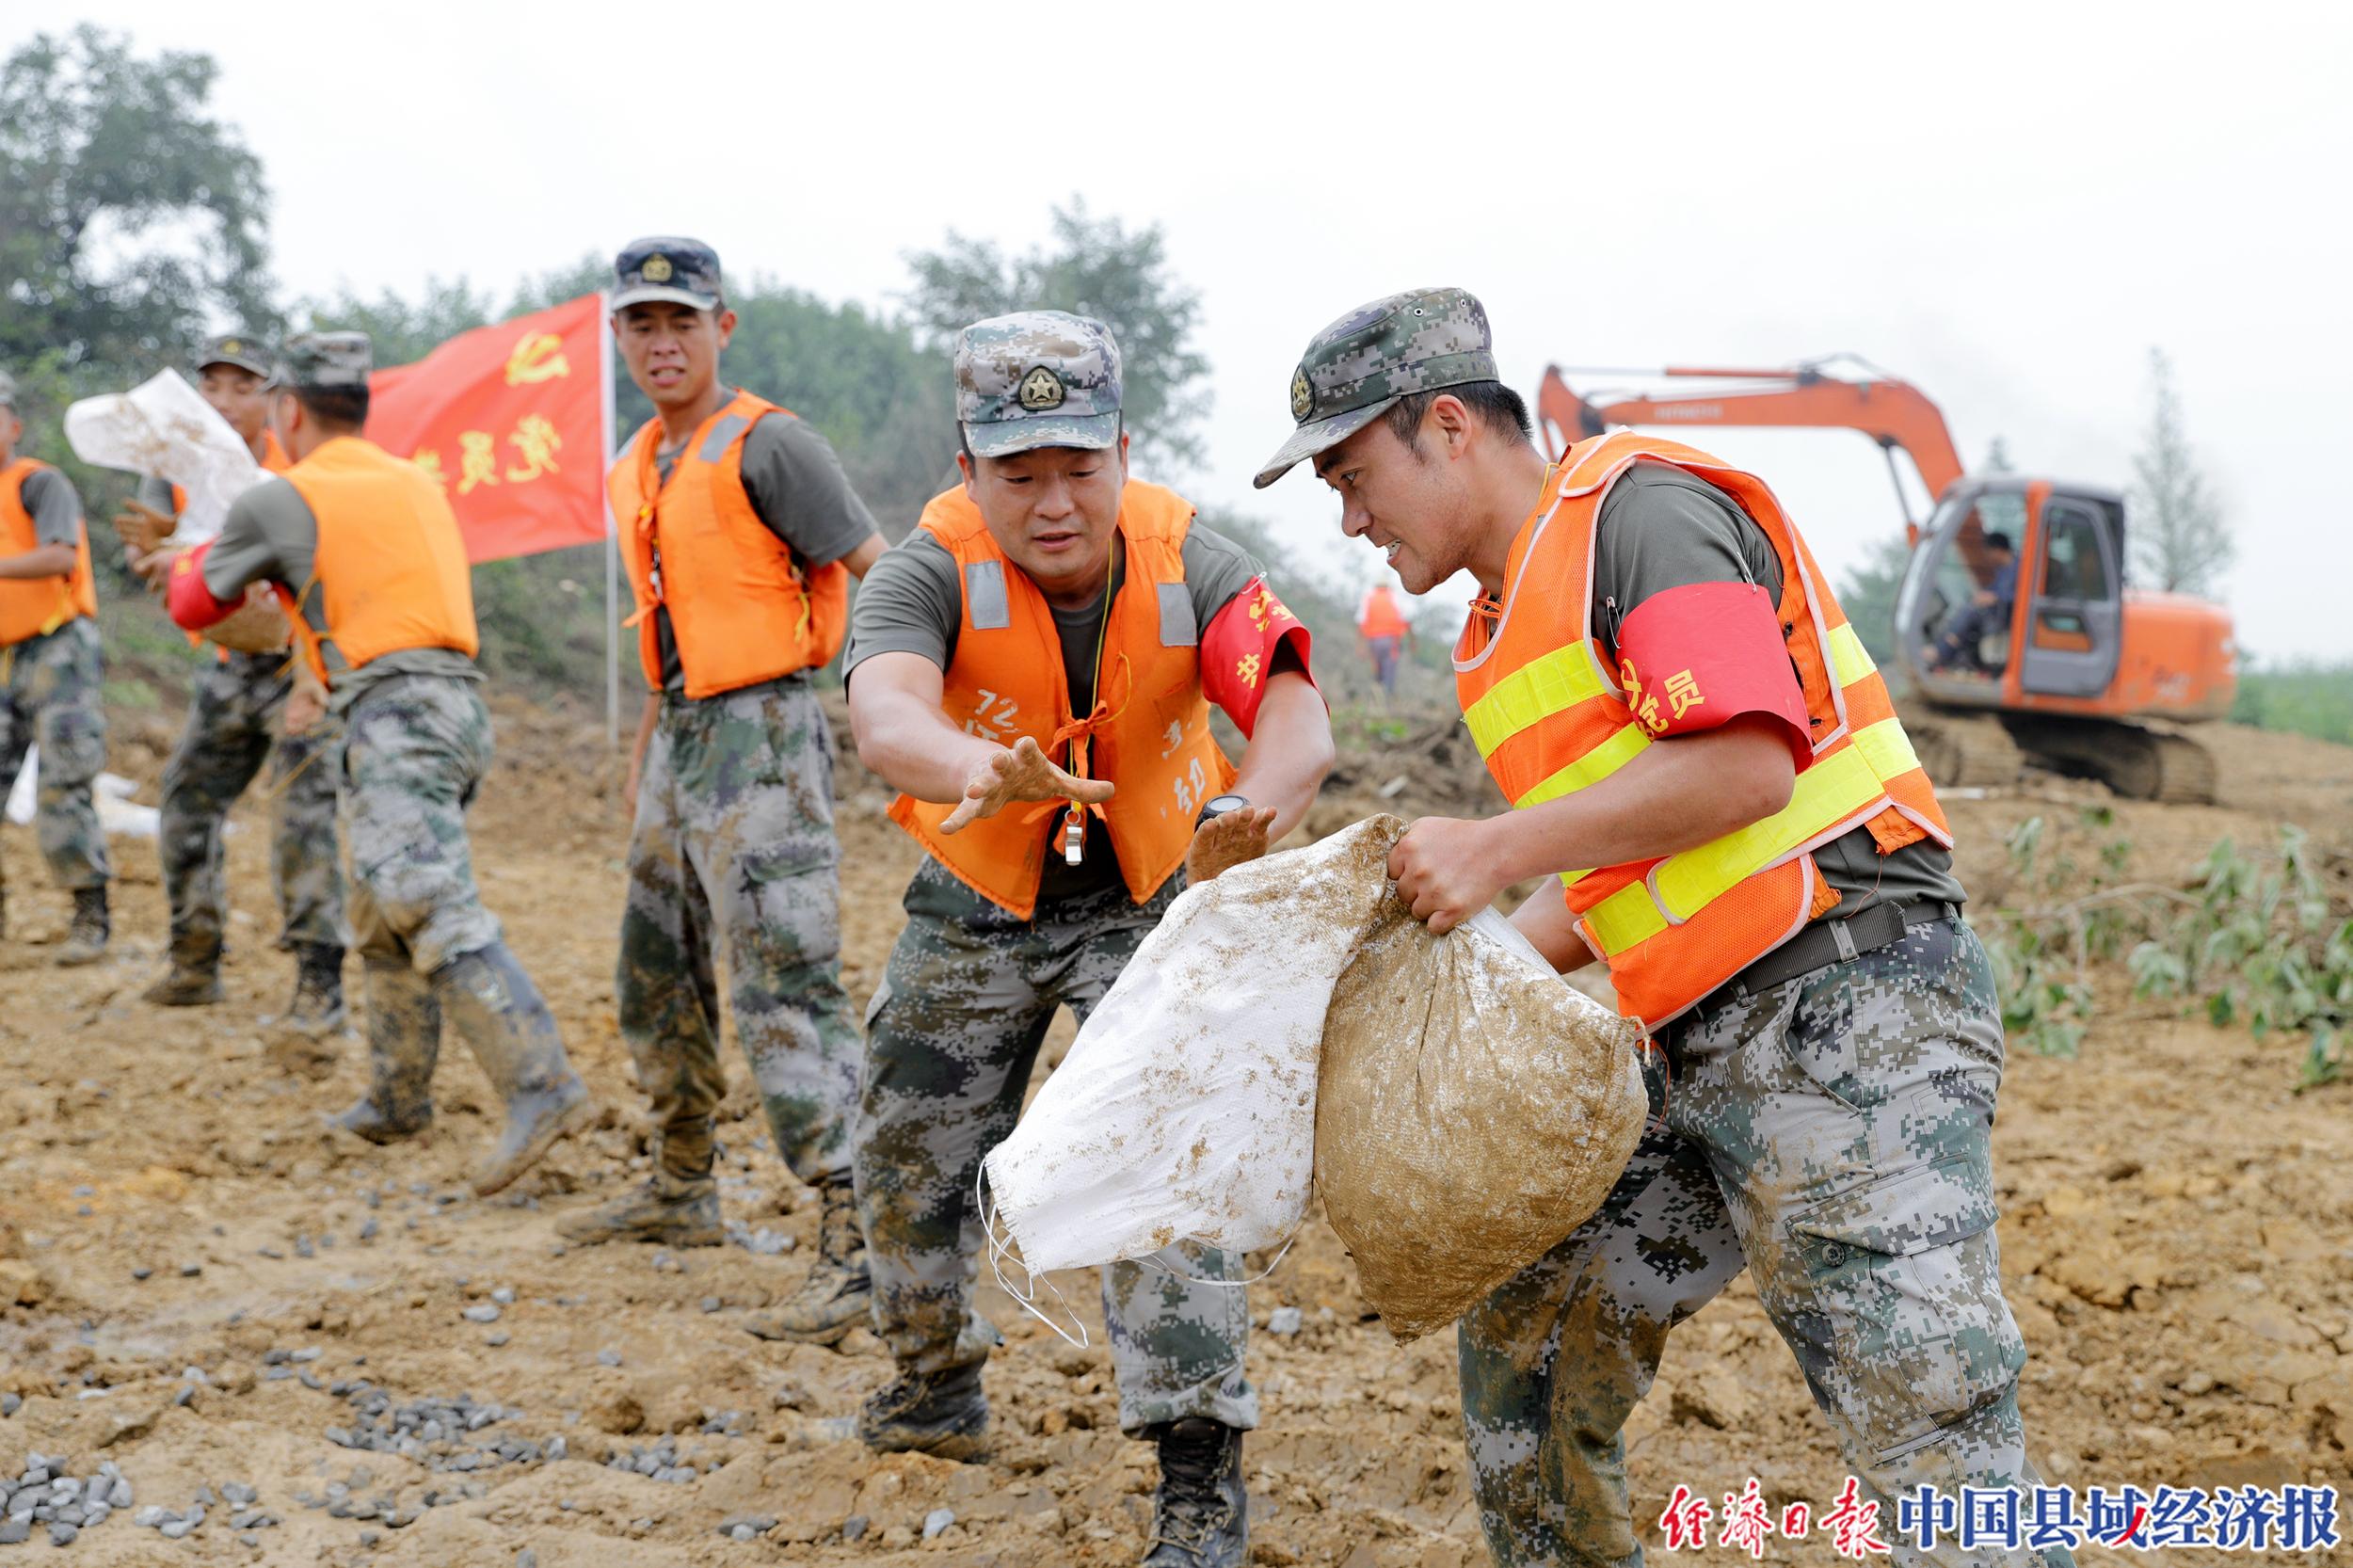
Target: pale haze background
(2007,206)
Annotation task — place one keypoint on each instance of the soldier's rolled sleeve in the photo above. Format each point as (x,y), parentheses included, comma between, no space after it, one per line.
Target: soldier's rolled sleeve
(798,487)
(912,601)
(56,509)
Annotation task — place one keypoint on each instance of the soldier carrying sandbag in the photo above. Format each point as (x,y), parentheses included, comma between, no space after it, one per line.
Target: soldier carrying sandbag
(1699,749)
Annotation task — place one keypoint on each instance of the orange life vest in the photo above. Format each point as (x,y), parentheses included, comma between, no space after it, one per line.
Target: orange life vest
(1381,615)
(741,610)
(35,606)
(390,565)
(1149,732)
(1544,706)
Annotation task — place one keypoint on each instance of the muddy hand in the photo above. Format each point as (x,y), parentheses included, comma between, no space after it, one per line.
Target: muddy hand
(1225,842)
(1022,772)
(142,527)
(305,705)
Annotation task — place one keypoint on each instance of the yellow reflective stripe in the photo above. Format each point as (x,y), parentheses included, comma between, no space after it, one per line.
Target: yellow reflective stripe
(1537,690)
(1595,765)
(1848,658)
(1834,789)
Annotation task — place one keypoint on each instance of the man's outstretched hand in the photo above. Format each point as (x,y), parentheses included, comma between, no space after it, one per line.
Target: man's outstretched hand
(1020,774)
(142,527)
(1225,842)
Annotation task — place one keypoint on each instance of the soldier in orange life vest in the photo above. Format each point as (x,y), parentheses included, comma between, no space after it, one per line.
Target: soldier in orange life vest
(740,533)
(1701,751)
(1033,667)
(1381,622)
(245,711)
(50,675)
(367,556)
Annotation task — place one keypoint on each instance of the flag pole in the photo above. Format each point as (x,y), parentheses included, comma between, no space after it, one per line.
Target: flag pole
(612,547)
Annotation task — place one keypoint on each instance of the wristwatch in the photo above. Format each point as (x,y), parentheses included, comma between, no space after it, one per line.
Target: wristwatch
(1218,806)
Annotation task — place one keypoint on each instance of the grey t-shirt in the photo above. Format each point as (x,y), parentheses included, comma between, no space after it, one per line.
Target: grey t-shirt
(1661,528)
(913,603)
(798,490)
(271,534)
(56,510)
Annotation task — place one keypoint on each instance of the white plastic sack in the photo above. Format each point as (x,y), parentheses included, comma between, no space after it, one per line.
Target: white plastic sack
(1186,1108)
(165,429)
(118,815)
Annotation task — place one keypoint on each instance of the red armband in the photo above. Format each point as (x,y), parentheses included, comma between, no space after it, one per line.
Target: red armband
(191,603)
(1237,651)
(1701,655)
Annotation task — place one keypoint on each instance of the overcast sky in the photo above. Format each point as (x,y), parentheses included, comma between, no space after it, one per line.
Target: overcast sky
(2006,205)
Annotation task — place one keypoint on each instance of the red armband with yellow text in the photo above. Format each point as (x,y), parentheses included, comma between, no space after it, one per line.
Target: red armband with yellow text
(1703,654)
(191,603)
(1239,652)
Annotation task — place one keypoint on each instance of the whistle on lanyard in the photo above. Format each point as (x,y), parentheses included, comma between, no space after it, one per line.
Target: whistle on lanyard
(1074,835)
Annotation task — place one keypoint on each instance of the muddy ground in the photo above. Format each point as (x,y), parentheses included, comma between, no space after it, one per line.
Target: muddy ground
(2175,1235)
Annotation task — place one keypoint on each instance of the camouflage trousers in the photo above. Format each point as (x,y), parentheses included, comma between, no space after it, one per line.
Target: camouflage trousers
(1833,1135)
(951,1037)
(733,852)
(232,731)
(415,749)
(49,698)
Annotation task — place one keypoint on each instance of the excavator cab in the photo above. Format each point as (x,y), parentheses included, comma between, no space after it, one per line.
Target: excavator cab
(1981,628)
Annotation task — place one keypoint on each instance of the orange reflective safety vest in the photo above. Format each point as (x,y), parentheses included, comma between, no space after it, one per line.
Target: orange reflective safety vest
(1149,732)
(1543,705)
(741,610)
(391,564)
(35,606)
(273,460)
(1380,615)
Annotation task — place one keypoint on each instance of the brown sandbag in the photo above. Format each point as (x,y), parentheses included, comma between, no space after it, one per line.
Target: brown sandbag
(1472,1111)
(257,626)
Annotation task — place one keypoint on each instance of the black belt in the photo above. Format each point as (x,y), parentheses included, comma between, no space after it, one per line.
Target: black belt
(1827,942)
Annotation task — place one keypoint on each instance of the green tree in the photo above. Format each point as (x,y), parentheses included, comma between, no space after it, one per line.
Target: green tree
(1096,267)
(130,219)
(1868,594)
(2180,540)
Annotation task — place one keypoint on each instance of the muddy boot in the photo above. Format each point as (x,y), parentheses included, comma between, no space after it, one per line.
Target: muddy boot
(1200,1518)
(318,1008)
(666,1208)
(85,939)
(498,1013)
(944,1414)
(193,980)
(404,1042)
(839,1293)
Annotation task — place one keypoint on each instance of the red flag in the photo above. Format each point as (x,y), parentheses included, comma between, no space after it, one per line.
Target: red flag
(510,419)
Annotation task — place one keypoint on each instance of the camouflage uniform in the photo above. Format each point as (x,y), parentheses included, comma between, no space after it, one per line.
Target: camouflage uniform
(1833,1134)
(50,697)
(417,748)
(233,729)
(952,1034)
(735,805)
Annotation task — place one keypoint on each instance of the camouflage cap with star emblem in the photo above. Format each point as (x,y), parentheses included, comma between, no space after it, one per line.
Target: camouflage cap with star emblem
(240,350)
(1361,364)
(666,267)
(325,359)
(1036,378)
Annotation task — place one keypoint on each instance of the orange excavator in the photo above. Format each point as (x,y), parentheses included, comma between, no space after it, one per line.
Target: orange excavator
(2014,630)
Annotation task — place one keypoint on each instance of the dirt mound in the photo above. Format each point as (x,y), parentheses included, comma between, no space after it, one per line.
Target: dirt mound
(2173,1238)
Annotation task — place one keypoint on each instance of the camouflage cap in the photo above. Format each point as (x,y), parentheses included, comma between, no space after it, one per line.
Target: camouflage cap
(7,389)
(325,359)
(1358,366)
(238,349)
(666,267)
(1036,378)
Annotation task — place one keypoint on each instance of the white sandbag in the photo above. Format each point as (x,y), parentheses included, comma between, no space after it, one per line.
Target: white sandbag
(165,429)
(118,815)
(1186,1108)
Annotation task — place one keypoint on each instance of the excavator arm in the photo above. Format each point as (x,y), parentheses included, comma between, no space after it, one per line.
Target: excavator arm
(1893,413)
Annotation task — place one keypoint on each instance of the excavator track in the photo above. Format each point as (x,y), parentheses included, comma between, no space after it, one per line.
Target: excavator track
(1963,750)
(2138,761)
